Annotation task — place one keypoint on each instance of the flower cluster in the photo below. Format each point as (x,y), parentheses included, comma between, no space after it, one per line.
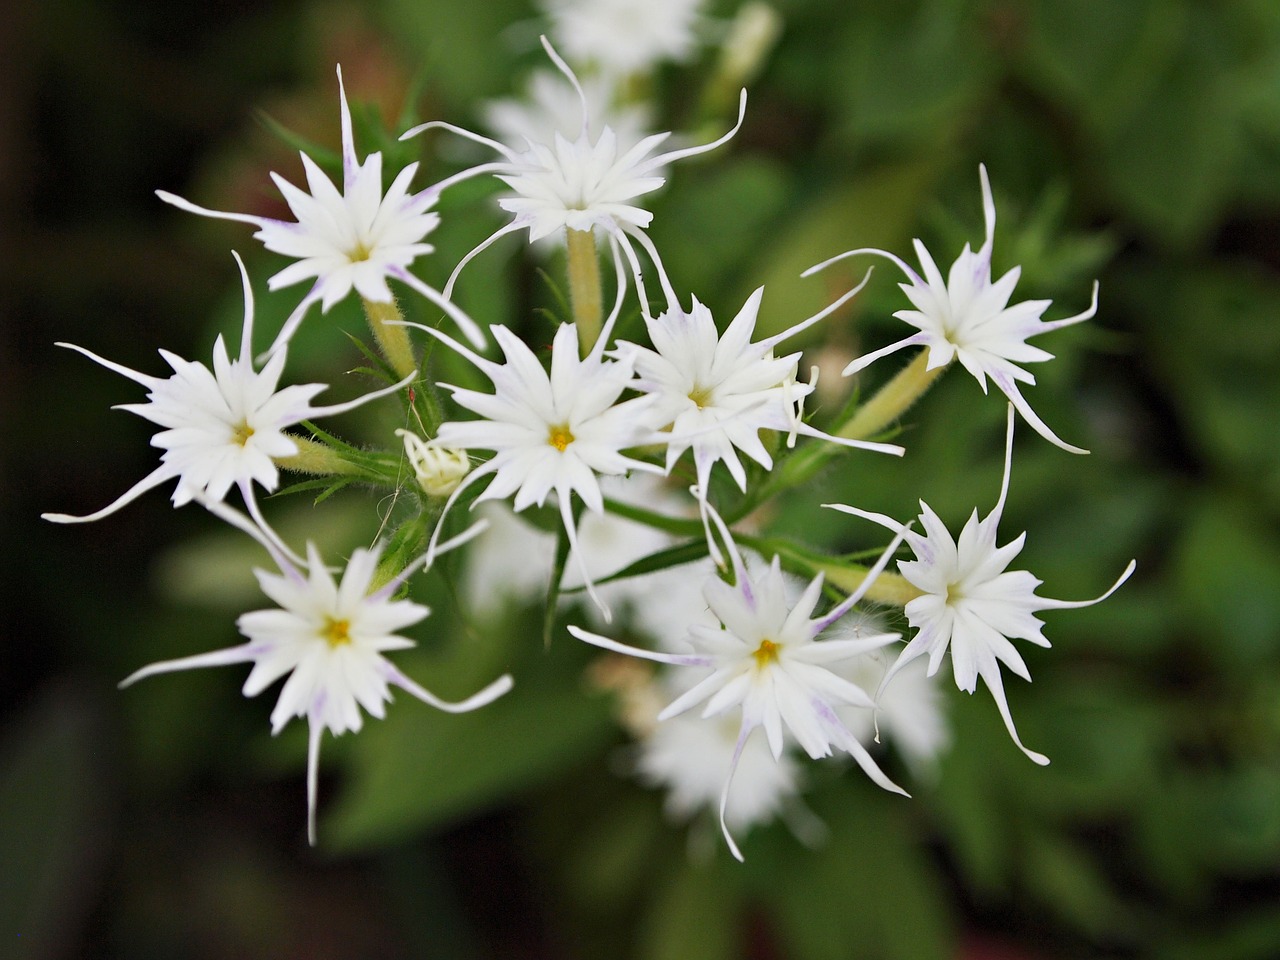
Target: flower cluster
(765,638)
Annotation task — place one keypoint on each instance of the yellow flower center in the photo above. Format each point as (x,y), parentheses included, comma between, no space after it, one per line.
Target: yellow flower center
(560,437)
(241,433)
(701,396)
(766,654)
(336,632)
(359,253)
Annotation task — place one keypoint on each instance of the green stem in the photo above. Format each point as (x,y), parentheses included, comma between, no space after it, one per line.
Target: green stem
(315,458)
(892,400)
(405,544)
(888,588)
(393,340)
(584,286)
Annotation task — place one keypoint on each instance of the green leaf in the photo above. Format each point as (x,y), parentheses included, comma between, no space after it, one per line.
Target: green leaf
(662,560)
(1104,59)
(869,891)
(690,226)
(422,768)
(972,800)
(1105,739)
(328,160)
(1228,579)
(694,916)
(877,209)
(1070,884)
(938,44)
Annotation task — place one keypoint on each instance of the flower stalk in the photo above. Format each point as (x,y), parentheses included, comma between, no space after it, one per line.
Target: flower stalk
(585,296)
(888,588)
(315,458)
(892,400)
(393,339)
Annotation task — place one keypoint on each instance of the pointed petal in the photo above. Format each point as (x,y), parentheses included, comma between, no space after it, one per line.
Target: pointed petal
(156,477)
(996,686)
(474,702)
(1046,603)
(243,653)
(678,659)
(724,793)
(314,731)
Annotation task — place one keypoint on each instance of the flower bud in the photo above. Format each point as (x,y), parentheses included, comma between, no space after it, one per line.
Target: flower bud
(439,469)
(751,38)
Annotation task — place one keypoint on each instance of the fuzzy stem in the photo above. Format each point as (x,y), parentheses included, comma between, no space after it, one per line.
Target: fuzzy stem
(315,458)
(393,341)
(584,286)
(888,588)
(406,544)
(892,400)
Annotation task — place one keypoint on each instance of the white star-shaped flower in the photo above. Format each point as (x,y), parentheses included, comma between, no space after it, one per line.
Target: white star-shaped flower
(910,712)
(550,432)
(580,184)
(970,602)
(687,756)
(550,106)
(329,639)
(968,317)
(766,659)
(355,239)
(624,37)
(717,392)
(610,543)
(224,426)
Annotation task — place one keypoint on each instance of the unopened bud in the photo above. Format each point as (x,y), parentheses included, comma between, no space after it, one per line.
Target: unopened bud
(439,469)
(752,35)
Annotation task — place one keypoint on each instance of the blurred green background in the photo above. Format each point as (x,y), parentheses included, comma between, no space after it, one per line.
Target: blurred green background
(1137,142)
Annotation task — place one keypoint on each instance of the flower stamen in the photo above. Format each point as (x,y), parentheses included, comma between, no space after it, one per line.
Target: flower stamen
(336,632)
(241,433)
(560,437)
(702,396)
(766,653)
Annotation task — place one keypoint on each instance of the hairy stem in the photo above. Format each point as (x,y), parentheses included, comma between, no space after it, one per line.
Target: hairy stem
(584,286)
(892,400)
(888,588)
(315,458)
(393,341)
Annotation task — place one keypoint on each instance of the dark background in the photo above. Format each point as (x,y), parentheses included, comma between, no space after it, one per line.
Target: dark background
(1138,142)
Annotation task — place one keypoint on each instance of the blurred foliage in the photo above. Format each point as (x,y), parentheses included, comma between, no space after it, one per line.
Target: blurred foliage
(1137,142)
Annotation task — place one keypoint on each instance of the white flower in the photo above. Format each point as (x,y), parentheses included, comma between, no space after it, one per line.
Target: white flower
(580,184)
(909,711)
(353,239)
(683,603)
(610,543)
(970,602)
(437,469)
(550,107)
(510,563)
(623,37)
(549,432)
(689,757)
(329,639)
(718,392)
(968,317)
(222,427)
(766,659)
